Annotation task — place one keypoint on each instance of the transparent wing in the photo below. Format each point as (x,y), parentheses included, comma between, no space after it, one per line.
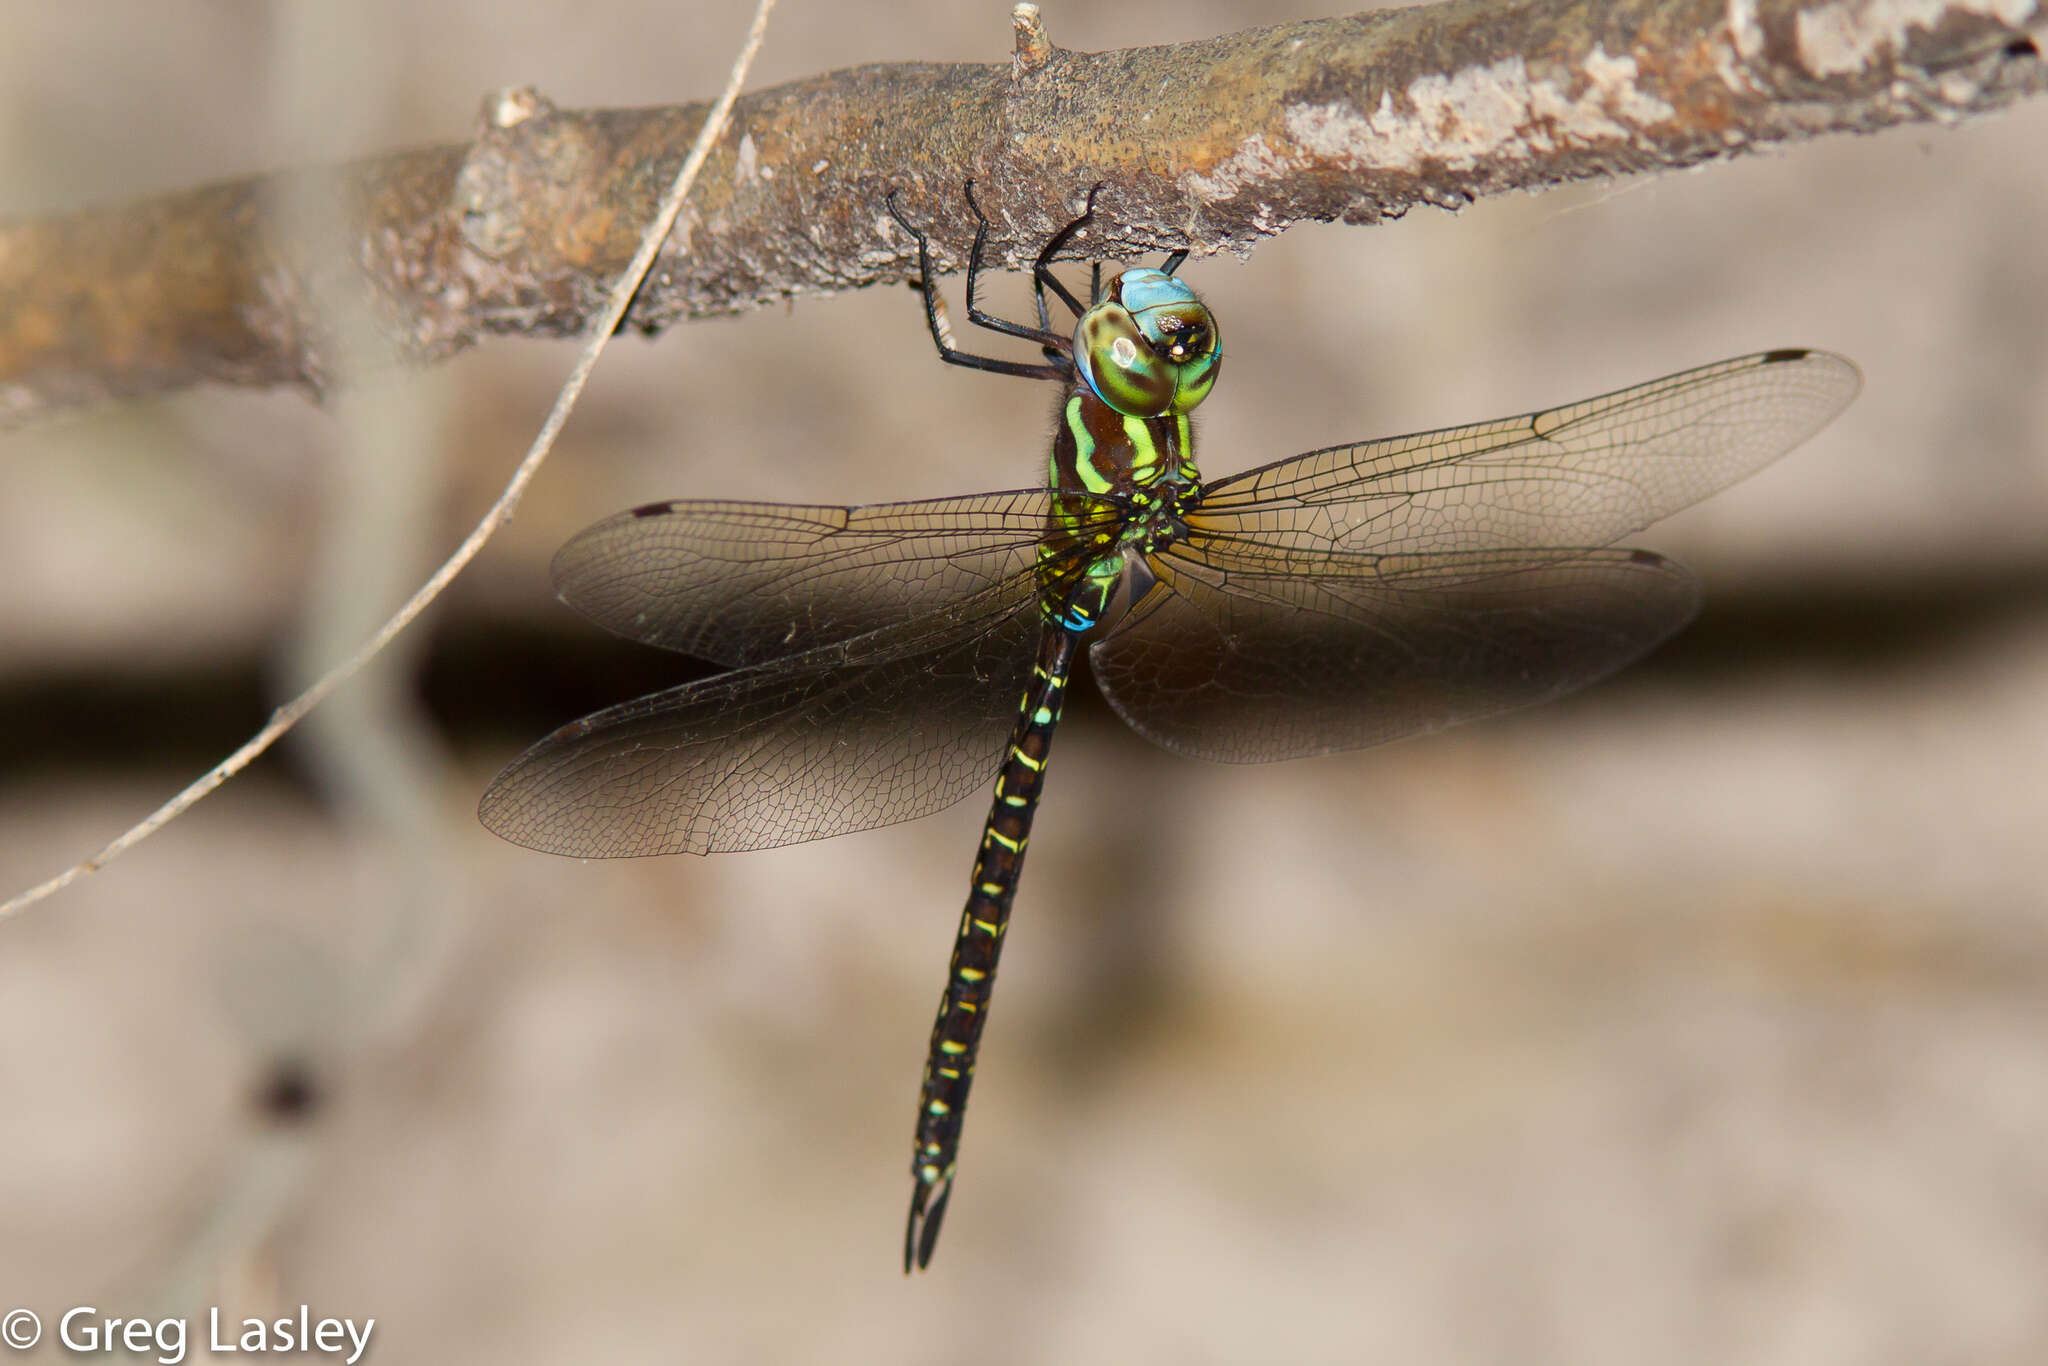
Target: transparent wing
(743,583)
(1244,652)
(1585,474)
(858,733)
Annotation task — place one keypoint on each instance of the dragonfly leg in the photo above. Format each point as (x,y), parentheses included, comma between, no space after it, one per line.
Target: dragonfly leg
(935,309)
(1056,345)
(1042,277)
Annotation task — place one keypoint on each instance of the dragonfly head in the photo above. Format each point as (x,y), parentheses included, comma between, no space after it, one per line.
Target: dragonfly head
(1148,347)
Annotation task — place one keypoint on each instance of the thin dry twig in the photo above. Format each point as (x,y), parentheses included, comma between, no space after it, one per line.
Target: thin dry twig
(288,715)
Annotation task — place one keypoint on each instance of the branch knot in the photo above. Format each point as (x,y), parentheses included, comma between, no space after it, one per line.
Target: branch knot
(1034,49)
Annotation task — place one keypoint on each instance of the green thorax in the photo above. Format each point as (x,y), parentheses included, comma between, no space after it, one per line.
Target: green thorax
(1097,449)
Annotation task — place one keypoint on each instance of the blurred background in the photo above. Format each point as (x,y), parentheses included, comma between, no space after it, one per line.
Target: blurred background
(1698,1018)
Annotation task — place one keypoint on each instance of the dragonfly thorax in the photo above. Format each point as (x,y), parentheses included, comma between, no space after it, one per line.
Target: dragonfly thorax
(1156,517)
(1148,347)
(1098,449)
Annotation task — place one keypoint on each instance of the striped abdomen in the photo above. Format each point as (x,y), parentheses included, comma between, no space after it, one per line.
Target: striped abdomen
(963,1010)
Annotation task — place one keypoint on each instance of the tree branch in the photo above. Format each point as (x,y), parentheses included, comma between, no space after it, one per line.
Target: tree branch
(1211,144)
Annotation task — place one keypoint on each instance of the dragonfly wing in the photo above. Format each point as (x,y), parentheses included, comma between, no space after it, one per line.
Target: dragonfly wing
(1584,474)
(1243,653)
(744,583)
(881,728)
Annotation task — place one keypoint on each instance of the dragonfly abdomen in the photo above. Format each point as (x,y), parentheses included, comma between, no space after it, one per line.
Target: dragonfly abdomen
(970,980)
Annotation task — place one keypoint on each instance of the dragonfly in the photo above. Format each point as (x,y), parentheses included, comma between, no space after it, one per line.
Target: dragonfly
(882,661)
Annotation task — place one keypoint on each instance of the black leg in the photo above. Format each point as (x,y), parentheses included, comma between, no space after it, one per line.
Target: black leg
(934,309)
(1043,334)
(1041,269)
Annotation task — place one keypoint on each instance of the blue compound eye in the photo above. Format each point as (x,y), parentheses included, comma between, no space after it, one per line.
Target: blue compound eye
(1150,347)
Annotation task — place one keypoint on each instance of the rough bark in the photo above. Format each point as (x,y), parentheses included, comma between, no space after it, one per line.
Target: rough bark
(1210,145)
